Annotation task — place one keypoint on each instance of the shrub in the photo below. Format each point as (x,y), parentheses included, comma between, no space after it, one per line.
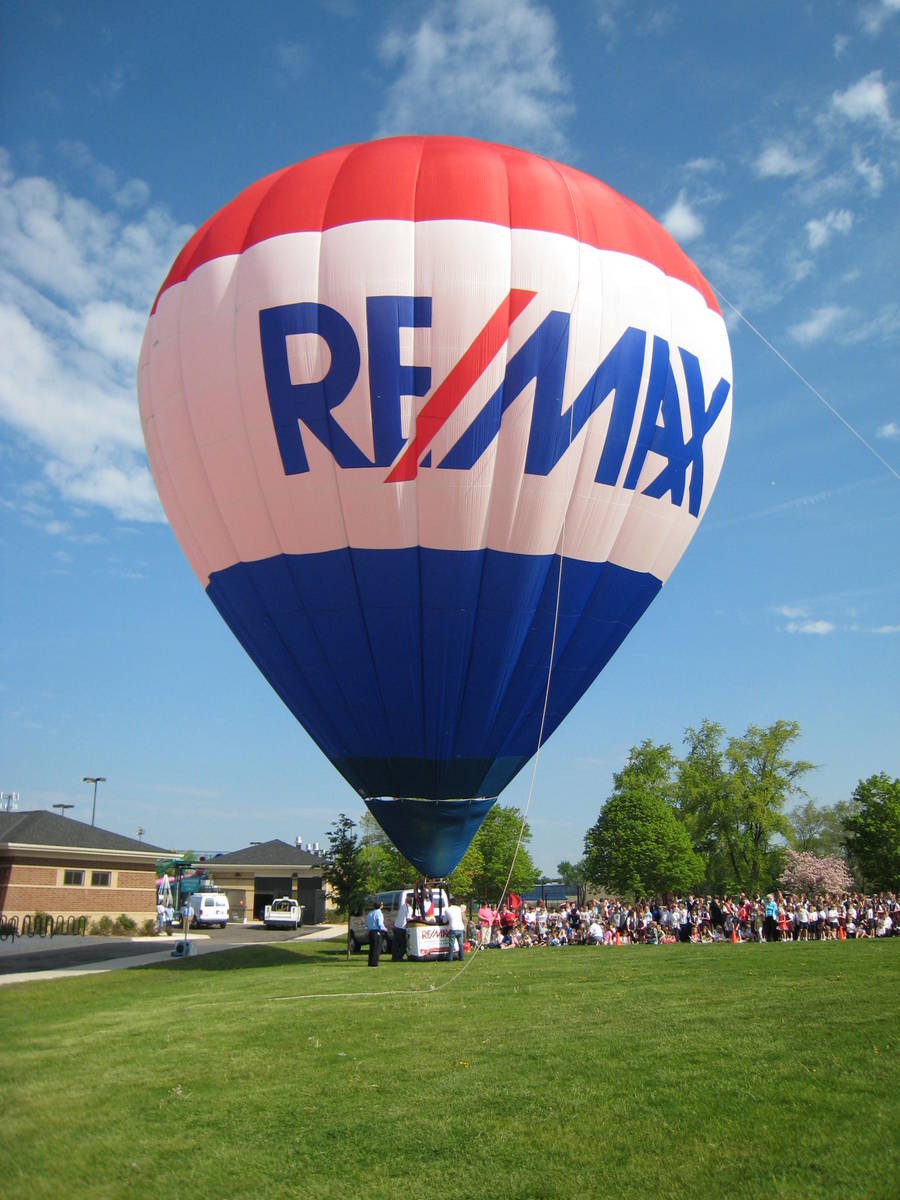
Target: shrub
(125,924)
(103,927)
(149,927)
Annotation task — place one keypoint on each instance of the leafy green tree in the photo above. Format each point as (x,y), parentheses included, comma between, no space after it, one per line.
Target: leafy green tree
(384,867)
(638,845)
(873,831)
(732,801)
(764,777)
(344,866)
(818,829)
(705,803)
(486,864)
(573,875)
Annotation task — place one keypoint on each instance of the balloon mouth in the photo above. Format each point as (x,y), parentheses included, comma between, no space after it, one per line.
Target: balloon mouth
(432,834)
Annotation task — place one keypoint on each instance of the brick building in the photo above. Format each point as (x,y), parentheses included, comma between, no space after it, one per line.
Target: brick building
(55,865)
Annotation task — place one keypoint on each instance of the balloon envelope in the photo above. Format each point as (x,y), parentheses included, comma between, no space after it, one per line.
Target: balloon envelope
(423,412)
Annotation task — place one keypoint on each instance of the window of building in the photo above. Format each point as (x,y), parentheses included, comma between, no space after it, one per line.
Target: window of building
(101,878)
(73,878)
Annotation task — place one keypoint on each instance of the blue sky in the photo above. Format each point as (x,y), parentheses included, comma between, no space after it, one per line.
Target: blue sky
(765,137)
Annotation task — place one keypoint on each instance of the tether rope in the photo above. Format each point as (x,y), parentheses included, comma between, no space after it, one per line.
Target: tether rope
(806,383)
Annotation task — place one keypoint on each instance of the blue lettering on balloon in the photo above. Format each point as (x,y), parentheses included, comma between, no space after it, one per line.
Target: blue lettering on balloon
(388,379)
(309,403)
(667,439)
(540,360)
(553,431)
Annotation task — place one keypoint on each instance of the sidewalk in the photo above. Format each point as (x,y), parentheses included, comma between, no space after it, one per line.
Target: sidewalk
(28,959)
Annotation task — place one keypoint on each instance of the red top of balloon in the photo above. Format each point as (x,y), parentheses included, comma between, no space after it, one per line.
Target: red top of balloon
(429,179)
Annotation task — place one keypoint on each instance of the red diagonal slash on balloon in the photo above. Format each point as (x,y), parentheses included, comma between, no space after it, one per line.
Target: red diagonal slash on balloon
(447,396)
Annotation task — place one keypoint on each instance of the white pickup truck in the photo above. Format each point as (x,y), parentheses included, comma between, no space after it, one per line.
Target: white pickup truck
(283,914)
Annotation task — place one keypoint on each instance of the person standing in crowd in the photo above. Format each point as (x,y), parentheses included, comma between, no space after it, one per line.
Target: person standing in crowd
(770,927)
(455,927)
(486,919)
(398,933)
(376,930)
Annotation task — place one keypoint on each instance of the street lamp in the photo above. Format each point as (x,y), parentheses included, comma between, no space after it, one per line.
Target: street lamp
(62,808)
(94,779)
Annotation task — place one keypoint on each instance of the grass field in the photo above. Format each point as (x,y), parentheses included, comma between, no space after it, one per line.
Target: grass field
(677,1071)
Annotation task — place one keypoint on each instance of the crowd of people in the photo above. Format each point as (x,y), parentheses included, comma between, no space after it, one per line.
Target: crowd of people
(772,918)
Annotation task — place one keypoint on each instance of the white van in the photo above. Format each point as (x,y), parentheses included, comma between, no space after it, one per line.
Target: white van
(210,908)
(435,907)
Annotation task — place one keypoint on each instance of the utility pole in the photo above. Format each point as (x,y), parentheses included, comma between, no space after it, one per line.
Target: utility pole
(94,779)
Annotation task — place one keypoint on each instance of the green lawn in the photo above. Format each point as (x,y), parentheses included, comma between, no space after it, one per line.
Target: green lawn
(674,1071)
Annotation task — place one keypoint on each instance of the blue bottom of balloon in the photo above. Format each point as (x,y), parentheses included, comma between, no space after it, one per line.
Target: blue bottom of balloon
(422,673)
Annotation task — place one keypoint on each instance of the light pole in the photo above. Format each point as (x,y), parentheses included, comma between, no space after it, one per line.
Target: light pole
(94,779)
(62,808)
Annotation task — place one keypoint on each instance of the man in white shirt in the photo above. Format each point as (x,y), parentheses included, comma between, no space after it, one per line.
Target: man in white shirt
(398,933)
(456,927)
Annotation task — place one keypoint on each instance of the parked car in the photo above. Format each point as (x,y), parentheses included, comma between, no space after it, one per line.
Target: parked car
(285,913)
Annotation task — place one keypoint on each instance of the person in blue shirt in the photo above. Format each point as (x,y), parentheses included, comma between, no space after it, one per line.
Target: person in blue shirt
(376,931)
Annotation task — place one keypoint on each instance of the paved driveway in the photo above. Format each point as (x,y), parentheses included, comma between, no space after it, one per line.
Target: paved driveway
(50,958)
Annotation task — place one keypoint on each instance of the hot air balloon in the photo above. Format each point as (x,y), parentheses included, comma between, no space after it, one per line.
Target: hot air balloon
(433,420)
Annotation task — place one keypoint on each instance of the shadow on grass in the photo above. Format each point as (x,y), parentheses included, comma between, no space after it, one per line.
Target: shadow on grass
(269,954)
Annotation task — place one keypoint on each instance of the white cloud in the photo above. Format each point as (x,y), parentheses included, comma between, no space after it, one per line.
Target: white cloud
(841,42)
(817,325)
(889,431)
(882,326)
(778,161)
(702,166)
(76,283)
(292,59)
(887,629)
(869,172)
(820,230)
(874,16)
(819,628)
(481,69)
(790,611)
(865,100)
(682,222)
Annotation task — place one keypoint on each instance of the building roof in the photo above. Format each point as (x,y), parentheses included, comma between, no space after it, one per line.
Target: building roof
(275,853)
(39,828)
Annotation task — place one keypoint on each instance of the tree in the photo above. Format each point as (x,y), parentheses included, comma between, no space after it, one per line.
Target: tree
(383,866)
(573,875)
(819,830)
(344,867)
(486,864)
(805,872)
(873,831)
(638,846)
(733,800)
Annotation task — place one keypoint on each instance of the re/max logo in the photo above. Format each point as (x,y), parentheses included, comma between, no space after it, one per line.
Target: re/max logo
(540,360)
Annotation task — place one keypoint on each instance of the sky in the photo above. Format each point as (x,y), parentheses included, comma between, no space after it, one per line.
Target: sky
(765,138)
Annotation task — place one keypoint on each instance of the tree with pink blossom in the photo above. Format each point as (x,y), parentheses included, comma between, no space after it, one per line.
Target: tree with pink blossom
(805,872)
